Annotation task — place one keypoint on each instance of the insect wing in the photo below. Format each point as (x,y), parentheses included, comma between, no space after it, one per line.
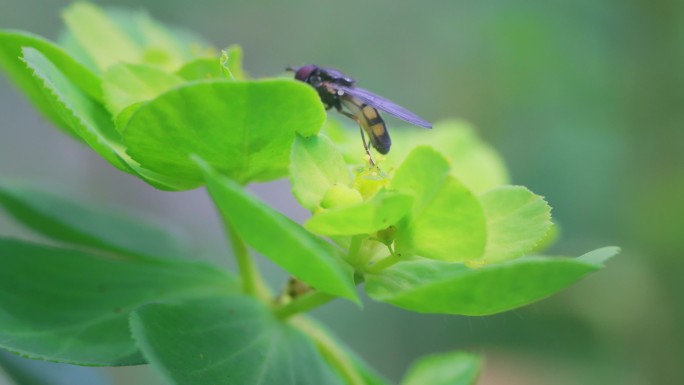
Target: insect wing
(337,76)
(383,104)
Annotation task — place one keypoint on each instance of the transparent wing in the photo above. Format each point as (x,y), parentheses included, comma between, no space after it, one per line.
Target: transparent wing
(383,104)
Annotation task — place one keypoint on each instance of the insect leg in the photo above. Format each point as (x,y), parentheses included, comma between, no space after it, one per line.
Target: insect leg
(363,137)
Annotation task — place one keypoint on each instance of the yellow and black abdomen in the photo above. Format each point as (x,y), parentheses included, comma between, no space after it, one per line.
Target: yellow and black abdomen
(370,120)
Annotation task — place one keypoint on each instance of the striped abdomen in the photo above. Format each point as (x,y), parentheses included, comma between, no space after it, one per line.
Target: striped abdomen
(370,120)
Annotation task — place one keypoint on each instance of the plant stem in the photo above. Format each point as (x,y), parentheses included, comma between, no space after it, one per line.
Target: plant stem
(355,250)
(384,263)
(302,304)
(330,350)
(252,283)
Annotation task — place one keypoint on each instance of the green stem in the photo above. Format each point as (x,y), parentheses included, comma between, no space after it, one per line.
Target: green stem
(252,283)
(330,350)
(384,263)
(354,256)
(303,304)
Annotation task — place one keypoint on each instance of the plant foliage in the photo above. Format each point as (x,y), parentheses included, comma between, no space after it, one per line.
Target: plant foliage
(435,229)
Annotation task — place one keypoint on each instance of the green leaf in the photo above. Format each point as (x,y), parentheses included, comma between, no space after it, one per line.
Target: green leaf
(243,128)
(71,306)
(74,222)
(455,368)
(429,286)
(157,44)
(126,84)
(11,43)
(316,166)
(473,162)
(286,243)
(105,43)
(161,46)
(384,209)
(201,69)
(24,371)
(87,119)
(516,221)
(548,240)
(447,221)
(225,341)
(231,60)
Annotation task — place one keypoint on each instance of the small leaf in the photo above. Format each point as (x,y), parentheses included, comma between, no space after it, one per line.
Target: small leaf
(201,69)
(384,209)
(71,306)
(99,36)
(224,341)
(126,84)
(11,43)
(87,119)
(447,221)
(275,236)
(429,286)
(516,221)
(80,224)
(245,129)
(455,368)
(315,166)
(233,62)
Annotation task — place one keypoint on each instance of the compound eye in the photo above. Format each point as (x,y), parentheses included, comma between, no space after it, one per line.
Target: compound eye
(304,72)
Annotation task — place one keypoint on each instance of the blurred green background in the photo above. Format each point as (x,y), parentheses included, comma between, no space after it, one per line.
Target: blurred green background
(584,99)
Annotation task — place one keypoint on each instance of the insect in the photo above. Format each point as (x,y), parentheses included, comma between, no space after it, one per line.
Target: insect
(339,91)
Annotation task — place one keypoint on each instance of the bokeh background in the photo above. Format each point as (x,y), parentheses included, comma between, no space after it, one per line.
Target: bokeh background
(584,100)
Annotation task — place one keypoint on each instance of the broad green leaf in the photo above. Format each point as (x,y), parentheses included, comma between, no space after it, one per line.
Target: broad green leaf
(72,306)
(447,221)
(384,209)
(162,45)
(227,341)
(275,236)
(244,129)
(455,368)
(24,371)
(315,166)
(201,69)
(159,45)
(66,40)
(429,286)
(99,36)
(516,221)
(87,119)
(11,43)
(74,222)
(126,84)
(121,120)
(548,240)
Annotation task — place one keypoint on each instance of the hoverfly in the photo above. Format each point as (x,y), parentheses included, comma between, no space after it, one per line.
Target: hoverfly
(338,90)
